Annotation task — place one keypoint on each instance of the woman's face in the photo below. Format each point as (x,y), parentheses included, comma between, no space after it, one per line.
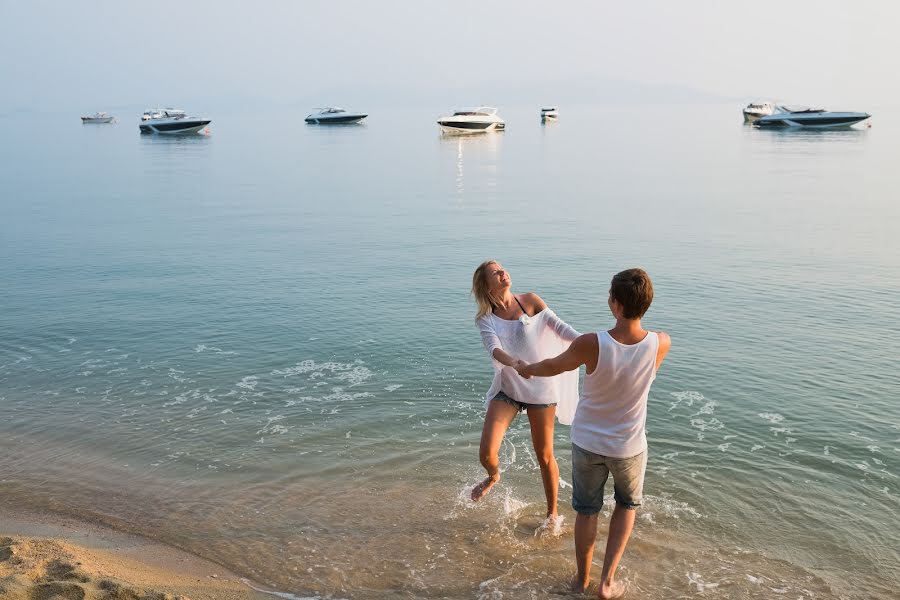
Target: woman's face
(497,278)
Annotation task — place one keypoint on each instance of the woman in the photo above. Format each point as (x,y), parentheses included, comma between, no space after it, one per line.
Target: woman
(519,328)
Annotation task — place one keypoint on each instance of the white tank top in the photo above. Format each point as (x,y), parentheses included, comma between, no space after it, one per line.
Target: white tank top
(611,416)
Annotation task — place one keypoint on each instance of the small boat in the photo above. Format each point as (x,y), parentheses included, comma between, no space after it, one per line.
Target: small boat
(331,115)
(98,117)
(549,113)
(755,110)
(171,121)
(810,118)
(472,120)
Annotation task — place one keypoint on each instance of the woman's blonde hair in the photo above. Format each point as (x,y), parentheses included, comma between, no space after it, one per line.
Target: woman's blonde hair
(480,289)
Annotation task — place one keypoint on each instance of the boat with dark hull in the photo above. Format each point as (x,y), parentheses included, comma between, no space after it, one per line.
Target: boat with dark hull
(813,118)
(472,120)
(333,115)
(171,121)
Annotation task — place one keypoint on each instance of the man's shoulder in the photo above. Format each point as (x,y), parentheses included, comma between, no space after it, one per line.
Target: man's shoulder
(665,340)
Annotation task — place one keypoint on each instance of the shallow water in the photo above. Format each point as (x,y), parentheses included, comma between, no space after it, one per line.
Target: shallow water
(258,345)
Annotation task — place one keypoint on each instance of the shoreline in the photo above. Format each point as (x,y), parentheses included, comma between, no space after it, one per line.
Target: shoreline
(43,555)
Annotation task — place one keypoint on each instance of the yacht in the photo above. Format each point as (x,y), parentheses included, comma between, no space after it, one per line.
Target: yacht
(755,110)
(472,120)
(170,121)
(333,115)
(99,117)
(549,113)
(811,118)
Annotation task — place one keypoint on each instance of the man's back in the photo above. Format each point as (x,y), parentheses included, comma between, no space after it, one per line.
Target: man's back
(612,411)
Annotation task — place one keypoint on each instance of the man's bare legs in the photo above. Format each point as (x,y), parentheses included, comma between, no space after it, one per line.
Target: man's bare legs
(620,525)
(585,534)
(499,415)
(541,421)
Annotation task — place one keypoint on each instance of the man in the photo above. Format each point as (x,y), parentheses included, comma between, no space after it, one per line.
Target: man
(609,429)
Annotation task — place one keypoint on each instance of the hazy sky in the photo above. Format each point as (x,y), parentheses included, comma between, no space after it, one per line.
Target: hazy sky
(87,55)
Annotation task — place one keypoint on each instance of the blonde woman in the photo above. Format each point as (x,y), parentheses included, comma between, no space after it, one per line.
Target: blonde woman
(518,329)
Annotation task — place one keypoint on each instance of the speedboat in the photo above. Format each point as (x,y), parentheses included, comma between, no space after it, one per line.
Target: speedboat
(755,110)
(99,117)
(170,121)
(549,113)
(333,115)
(472,120)
(810,118)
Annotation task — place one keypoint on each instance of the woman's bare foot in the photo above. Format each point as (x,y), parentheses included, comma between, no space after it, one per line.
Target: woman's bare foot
(551,526)
(611,589)
(480,490)
(578,586)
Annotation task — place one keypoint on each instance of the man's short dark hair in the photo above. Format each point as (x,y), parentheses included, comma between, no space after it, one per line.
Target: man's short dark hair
(632,289)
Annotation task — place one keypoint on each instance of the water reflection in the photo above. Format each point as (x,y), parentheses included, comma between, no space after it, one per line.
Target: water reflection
(191,140)
(481,149)
(806,135)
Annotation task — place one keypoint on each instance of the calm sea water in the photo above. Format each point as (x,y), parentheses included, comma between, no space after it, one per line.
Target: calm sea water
(258,345)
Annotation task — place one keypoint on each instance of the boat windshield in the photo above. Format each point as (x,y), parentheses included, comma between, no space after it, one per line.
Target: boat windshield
(481,110)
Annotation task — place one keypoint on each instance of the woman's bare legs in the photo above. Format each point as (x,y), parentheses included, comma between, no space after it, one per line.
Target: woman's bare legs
(542,420)
(499,415)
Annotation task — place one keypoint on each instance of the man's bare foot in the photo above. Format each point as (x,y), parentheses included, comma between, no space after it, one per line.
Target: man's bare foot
(479,491)
(578,586)
(611,589)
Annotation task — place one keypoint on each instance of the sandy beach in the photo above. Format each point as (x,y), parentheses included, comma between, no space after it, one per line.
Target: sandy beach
(44,557)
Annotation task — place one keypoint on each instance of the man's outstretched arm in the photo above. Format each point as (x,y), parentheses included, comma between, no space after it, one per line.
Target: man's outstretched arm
(579,353)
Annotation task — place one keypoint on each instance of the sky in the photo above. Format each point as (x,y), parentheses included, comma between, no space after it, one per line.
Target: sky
(88,54)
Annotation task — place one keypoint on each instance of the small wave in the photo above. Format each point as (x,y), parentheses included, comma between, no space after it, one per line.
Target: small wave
(512,506)
(696,580)
(285,595)
(686,397)
(248,383)
(771,417)
(204,348)
(710,425)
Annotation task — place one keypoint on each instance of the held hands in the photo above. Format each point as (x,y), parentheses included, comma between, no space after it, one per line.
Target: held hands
(521,368)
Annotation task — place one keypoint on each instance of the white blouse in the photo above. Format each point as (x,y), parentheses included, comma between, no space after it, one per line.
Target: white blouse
(532,339)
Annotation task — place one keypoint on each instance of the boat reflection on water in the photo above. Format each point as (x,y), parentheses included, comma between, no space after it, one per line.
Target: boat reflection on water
(481,152)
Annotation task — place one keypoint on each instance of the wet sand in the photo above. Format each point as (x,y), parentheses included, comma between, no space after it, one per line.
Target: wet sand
(45,557)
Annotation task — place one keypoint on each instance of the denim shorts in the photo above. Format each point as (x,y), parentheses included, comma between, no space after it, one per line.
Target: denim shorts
(590,472)
(522,406)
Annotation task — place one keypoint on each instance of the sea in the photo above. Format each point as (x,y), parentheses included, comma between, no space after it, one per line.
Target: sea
(258,345)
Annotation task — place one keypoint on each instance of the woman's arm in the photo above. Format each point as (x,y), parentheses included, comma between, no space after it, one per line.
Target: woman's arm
(562,329)
(494,347)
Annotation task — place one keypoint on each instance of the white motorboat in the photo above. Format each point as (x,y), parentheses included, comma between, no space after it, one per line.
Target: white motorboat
(550,113)
(331,115)
(755,110)
(98,117)
(170,121)
(472,120)
(810,118)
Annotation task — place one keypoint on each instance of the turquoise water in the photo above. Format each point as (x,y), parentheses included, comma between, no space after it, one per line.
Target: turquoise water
(258,345)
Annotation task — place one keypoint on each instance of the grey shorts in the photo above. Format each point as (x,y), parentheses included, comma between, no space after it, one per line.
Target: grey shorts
(590,472)
(522,406)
